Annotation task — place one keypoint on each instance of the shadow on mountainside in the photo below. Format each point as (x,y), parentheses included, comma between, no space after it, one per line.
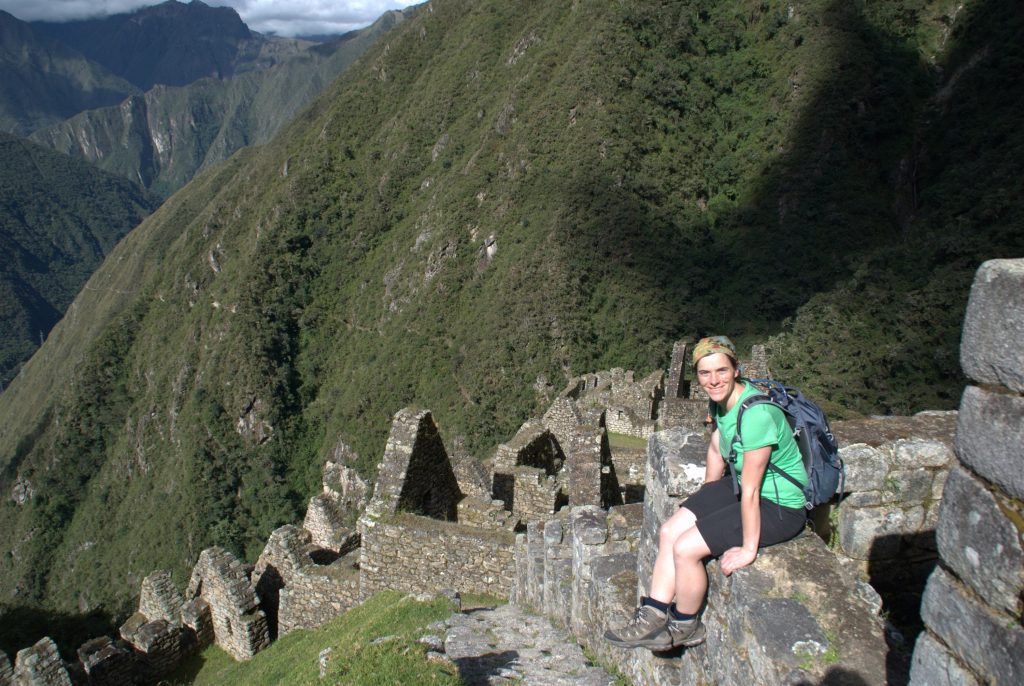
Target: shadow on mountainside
(22,626)
(759,240)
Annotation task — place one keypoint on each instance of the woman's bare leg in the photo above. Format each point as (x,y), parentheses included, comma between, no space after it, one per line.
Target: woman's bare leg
(691,579)
(663,578)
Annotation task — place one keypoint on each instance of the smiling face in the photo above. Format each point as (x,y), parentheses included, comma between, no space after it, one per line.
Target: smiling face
(717,375)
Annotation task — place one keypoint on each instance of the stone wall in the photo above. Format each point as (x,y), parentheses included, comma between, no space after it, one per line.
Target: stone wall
(415,474)
(796,616)
(239,625)
(108,662)
(159,598)
(421,555)
(896,469)
(40,665)
(972,605)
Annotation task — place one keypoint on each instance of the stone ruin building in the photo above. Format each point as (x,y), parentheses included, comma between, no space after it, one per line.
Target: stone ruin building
(561,522)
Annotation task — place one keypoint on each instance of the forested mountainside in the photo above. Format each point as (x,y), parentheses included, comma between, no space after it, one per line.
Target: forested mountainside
(43,81)
(161,138)
(59,217)
(495,197)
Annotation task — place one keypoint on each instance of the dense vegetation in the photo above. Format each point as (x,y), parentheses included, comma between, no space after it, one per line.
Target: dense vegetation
(829,173)
(59,217)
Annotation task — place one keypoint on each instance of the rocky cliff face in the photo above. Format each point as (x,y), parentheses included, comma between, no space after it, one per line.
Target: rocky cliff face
(162,138)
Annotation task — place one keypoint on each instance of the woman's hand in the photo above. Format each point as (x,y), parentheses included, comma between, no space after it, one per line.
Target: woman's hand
(736,558)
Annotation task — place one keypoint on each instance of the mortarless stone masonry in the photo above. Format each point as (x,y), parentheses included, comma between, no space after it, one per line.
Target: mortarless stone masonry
(40,665)
(159,598)
(239,625)
(972,608)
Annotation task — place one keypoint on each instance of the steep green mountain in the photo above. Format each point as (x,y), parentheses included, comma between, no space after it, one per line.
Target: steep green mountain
(59,217)
(43,81)
(162,138)
(498,195)
(172,43)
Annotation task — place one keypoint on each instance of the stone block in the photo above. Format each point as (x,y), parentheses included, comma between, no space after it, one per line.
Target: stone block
(979,543)
(789,618)
(915,453)
(934,665)
(991,643)
(876,533)
(676,458)
(108,663)
(907,486)
(990,437)
(866,467)
(992,343)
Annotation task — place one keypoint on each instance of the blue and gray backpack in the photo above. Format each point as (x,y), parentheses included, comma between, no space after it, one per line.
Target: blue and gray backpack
(817,444)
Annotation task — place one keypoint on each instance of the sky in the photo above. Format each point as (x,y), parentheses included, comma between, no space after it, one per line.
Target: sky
(281,17)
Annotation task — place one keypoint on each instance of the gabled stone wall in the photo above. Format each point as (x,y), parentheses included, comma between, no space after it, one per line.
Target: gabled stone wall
(972,606)
(159,598)
(415,474)
(239,625)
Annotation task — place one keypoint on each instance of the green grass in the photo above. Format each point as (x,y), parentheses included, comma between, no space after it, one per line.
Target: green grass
(626,442)
(355,657)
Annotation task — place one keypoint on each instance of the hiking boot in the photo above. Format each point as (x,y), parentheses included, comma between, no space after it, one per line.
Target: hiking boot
(685,632)
(645,630)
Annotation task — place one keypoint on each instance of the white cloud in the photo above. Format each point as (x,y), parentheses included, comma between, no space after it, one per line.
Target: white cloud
(283,17)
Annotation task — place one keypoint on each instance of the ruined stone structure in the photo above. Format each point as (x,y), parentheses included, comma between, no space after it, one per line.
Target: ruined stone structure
(550,524)
(299,586)
(972,604)
(411,539)
(108,662)
(797,616)
(239,625)
(415,475)
(40,665)
(330,516)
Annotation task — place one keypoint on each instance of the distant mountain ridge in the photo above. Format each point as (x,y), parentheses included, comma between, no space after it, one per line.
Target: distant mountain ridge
(171,43)
(160,139)
(43,81)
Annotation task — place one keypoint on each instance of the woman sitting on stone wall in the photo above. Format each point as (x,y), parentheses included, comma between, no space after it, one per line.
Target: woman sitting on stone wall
(715,521)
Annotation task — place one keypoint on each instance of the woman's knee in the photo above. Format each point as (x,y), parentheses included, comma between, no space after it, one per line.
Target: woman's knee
(690,547)
(675,526)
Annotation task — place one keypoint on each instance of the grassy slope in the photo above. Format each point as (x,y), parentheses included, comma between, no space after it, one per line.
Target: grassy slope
(637,166)
(354,656)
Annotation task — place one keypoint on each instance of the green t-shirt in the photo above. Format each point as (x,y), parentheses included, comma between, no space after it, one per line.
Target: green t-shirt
(764,425)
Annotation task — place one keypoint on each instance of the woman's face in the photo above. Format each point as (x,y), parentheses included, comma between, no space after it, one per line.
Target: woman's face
(717,376)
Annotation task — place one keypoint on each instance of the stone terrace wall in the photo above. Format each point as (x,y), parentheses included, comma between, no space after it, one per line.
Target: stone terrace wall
(421,555)
(972,605)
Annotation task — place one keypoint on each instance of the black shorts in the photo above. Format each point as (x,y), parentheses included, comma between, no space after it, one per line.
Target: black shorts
(720,523)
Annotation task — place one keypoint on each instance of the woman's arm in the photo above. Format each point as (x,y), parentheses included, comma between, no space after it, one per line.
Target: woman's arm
(754,464)
(714,465)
